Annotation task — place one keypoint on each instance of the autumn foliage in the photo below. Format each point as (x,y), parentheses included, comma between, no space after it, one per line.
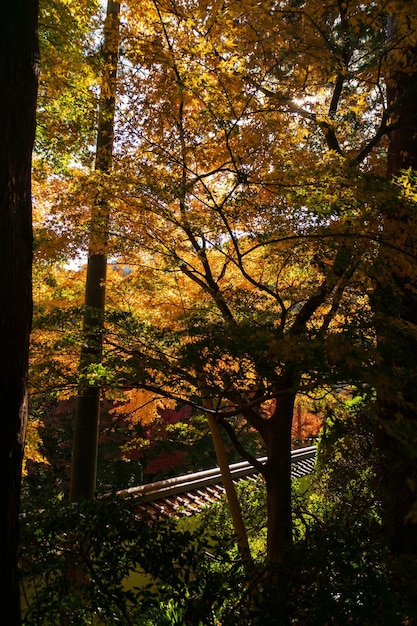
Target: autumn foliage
(255,241)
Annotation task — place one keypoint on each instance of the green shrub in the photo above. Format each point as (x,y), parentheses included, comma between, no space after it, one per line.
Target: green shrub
(79,563)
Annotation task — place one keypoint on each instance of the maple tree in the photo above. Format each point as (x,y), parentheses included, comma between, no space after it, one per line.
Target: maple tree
(248,190)
(263,253)
(167,439)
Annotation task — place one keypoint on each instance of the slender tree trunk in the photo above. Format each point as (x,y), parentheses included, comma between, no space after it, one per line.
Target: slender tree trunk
(85,443)
(18,83)
(232,499)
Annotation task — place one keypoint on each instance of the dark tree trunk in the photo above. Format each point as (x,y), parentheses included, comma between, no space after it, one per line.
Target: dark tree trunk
(18,83)
(87,413)
(278,478)
(396,314)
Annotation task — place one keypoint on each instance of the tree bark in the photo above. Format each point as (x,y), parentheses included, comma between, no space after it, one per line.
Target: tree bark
(18,82)
(278,478)
(87,413)
(395,307)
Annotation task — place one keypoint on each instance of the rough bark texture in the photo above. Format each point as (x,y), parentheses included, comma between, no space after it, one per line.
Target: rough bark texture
(18,83)
(396,310)
(87,414)
(278,478)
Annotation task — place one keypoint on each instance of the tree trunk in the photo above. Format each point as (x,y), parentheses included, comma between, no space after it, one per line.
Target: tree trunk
(87,413)
(232,499)
(396,312)
(18,81)
(231,495)
(278,478)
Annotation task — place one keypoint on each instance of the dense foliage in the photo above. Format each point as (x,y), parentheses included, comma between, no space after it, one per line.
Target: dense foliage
(188,571)
(256,216)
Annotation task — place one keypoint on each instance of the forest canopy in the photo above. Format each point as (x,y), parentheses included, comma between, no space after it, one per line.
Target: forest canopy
(245,174)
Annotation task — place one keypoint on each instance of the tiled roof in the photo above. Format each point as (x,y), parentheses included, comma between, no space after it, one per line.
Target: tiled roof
(188,494)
